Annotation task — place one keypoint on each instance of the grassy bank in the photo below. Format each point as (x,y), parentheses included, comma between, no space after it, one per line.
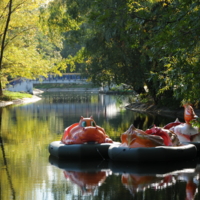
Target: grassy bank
(9,96)
(63,85)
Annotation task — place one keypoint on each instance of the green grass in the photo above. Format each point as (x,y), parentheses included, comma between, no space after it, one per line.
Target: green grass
(63,85)
(9,96)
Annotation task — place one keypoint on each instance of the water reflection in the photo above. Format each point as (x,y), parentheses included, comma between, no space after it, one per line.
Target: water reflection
(136,178)
(101,107)
(139,177)
(87,175)
(25,171)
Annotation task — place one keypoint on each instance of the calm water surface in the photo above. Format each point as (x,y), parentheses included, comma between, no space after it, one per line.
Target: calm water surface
(27,172)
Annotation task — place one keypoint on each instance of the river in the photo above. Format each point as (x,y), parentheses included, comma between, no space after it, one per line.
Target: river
(27,172)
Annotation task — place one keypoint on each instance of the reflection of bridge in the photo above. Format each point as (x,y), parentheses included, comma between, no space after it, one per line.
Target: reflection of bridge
(62,112)
(84,103)
(77,104)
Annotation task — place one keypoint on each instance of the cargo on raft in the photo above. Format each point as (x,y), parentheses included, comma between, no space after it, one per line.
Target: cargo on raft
(83,140)
(87,141)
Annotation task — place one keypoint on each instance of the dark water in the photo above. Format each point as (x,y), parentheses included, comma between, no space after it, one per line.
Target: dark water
(27,172)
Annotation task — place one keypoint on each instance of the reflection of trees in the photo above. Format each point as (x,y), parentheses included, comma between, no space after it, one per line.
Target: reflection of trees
(117,125)
(27,131)
(26,136)
(105,109)
(9,178)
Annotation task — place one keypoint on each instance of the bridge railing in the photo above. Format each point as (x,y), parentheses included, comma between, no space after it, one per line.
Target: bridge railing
(65,76)
(26,85)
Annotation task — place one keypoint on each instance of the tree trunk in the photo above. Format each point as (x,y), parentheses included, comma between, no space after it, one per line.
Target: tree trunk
(3,42)
(1,89)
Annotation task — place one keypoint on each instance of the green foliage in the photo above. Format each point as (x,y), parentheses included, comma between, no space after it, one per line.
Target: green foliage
(143,98)
(195,122)
(155,43)
(24,50)
(176,40)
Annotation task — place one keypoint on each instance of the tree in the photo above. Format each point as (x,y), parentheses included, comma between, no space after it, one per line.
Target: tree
(3,38)
(154,44)
(112,44)
(175,44)
(21,54)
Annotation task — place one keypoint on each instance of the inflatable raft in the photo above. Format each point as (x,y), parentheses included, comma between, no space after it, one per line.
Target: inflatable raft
(153,154)
(80,151)
(117,153)
(87,141)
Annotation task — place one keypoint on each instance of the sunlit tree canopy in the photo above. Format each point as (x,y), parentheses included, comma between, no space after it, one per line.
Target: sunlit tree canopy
(21,52)
(137,43)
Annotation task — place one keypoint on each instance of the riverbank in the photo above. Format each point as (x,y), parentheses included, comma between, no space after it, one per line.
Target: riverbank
(135,106)
(34,98)
(36,92)
(151,108)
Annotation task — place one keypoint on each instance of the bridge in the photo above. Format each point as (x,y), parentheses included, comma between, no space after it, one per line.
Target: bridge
(65,78)
(26,85)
